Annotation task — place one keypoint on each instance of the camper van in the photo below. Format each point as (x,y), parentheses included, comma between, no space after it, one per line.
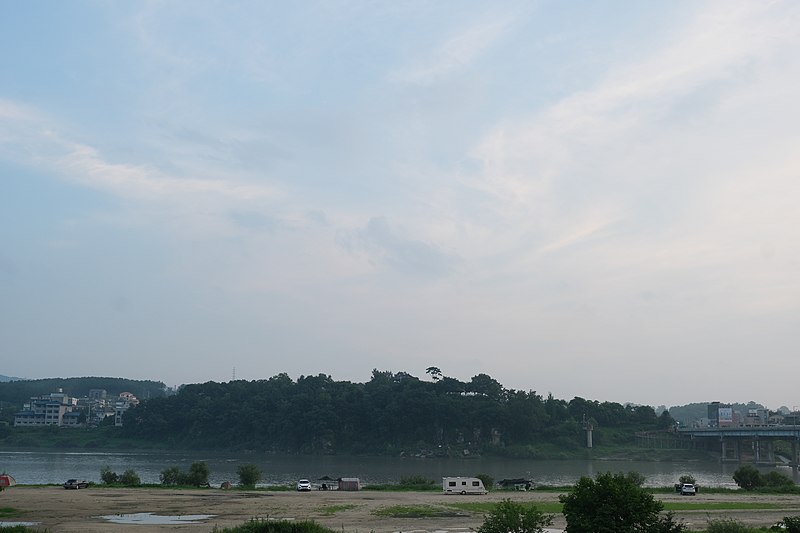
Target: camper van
(463,485)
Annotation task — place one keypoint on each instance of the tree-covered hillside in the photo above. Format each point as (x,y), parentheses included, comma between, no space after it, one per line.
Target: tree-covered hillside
(391,413)
(18,392)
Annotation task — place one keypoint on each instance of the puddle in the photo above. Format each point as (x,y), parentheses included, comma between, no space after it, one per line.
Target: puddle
(154,519)
(12,524)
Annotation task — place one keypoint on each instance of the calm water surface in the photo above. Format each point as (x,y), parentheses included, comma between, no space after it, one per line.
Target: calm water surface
(55,467)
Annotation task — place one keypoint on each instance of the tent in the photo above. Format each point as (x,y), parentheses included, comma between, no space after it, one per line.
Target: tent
(6,481)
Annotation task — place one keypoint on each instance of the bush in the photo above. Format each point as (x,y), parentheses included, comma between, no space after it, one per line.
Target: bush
(775,479)
(610,502)
(512,517)
(198,474)
(687,478)
(637,478)
(726,525)
(130,478)
(488,481)
(416,481)
(171,476)
(747,477)
(249,475)
(790,524)
(107,476)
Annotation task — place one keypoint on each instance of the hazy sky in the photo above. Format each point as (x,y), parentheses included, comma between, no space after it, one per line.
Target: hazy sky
(590,198)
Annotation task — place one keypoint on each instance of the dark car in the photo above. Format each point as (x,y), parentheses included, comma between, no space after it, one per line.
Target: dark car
(76,484)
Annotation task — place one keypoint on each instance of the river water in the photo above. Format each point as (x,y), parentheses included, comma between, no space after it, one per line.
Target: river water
(40,467)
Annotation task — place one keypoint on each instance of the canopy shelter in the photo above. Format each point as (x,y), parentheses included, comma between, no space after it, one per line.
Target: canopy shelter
(6,481)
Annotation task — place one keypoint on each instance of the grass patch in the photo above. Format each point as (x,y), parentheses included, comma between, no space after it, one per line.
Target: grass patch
(486,507)
(9,512)
(330,510)
(417,511)
(719,506)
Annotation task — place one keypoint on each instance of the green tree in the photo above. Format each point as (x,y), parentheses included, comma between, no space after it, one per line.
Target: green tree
(687,478)
(130,478)
(637,478)
(488,481)
(512,517)
(198,474)
(171,476)
(747,477)
(108,476)
(249,475)
(610,503)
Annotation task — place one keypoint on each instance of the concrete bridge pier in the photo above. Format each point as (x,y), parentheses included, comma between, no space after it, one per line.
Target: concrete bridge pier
(731,445)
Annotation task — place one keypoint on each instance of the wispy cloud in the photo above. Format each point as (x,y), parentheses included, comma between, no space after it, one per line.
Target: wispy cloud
(454,53)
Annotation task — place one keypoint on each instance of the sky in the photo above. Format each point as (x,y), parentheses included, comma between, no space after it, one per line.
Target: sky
(594,199)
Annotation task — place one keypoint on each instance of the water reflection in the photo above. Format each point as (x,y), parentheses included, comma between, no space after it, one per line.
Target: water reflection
(154,519)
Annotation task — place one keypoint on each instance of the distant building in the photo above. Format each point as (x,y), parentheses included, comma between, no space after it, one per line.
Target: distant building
(126,401)
(49,410)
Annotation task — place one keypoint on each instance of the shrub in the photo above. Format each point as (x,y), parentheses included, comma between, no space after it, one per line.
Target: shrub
(791,524)
(610,502)
(747,477)
(775,479)
(687,478)
(637,478)
(726,525)
(198,474)
(415,481)
(249,475)
(130,478)
(512,517)
(488,481)
(171,476)
(107,476)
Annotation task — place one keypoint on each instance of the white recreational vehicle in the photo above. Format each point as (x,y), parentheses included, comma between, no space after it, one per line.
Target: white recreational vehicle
(463,485)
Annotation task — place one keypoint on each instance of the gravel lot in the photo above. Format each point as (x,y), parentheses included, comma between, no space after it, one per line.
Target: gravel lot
(61,510)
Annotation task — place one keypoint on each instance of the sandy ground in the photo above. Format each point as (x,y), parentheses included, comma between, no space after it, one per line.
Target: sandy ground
(61,510)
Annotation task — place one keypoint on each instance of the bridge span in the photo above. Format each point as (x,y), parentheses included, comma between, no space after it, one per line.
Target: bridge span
(747,443)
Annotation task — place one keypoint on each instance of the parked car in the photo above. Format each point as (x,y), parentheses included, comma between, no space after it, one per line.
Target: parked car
(687,489)
(76,484)
(303,485)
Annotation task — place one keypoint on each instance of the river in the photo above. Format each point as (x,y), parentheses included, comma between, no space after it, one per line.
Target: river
(45,467)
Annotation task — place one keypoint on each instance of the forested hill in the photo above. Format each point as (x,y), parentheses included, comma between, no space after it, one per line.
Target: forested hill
(17,392)
(391,413)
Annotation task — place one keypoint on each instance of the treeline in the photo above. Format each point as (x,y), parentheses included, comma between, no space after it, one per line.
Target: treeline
(391,413)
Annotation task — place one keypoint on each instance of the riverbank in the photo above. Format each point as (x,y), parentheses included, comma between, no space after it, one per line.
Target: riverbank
(68,511)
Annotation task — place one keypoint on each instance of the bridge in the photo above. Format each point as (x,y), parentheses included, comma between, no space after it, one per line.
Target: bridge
(747,443)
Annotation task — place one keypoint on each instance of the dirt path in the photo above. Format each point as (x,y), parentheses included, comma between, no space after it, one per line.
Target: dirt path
(61,510)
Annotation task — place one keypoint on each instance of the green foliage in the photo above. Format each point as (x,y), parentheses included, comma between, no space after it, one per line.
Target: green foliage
(610,503)
(776,479)
(249,475)
(198,474)
(417,481)
(687,478)
(636,478)
(130,478)
(790,524)
(747,477)
(107,476)
(415,511)
(276,526)
(390,413)
(488,481)
(512,517)
(171,476)
(726,525)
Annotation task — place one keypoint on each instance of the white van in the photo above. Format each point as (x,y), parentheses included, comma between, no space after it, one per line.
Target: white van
(463,485)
